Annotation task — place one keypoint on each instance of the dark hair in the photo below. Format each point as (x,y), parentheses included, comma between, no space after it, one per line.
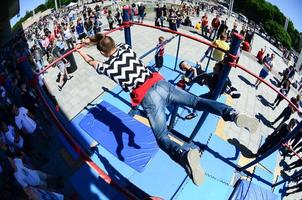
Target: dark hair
(181,62)
(105,44)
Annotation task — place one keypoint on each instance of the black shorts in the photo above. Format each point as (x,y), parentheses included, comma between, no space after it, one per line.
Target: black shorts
(82,35)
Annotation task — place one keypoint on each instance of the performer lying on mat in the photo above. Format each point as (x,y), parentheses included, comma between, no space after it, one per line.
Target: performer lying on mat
(197,75)
(154,94)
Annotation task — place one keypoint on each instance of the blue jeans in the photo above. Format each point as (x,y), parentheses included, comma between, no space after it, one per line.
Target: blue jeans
(163,93)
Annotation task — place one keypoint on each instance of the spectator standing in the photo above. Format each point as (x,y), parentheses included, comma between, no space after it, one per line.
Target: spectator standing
(80,29)
(172,20)
(204,25)
(260,55)
(141,13)
(215,25)
(158,16)
(284,90)
(110,19)
(273,139)
(38,57)
(118,17)
(268,64)
(159,54)
(222,28)
(218,55)
(288,111)
(68,37)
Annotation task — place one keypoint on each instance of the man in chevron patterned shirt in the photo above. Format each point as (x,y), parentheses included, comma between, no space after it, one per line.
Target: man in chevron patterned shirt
(154,94)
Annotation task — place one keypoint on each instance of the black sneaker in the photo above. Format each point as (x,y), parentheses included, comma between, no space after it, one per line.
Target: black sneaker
(235,95)
(191,160)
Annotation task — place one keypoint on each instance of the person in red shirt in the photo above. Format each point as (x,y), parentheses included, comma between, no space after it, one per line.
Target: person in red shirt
(159,54)
(260,55)
(204,25)
(246,46)
(215,26)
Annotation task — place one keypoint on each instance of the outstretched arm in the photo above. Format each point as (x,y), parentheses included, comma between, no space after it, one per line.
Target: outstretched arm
(90,60)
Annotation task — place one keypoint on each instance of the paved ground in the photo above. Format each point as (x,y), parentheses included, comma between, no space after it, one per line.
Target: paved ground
(87,85)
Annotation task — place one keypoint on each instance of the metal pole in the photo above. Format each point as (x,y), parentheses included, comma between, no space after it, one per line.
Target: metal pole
(177,52)
(56,4)
(174,112)
(126,22)
(234,47)
(206,69)
(269,152)
(153,49)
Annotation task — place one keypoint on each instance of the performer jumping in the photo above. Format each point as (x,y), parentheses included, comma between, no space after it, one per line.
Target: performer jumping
(154,94)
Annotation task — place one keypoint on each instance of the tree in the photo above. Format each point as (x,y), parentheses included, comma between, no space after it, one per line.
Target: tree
(276,30)
(261,11)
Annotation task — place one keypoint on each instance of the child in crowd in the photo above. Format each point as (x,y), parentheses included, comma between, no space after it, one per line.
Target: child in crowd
(159,54)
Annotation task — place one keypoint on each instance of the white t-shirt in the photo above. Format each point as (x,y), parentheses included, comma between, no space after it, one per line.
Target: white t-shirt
(10,138)
(24,176)
(67,34)
(22,120)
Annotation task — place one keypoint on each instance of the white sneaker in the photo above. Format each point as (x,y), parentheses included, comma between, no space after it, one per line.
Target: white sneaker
(192,166)
(247,122)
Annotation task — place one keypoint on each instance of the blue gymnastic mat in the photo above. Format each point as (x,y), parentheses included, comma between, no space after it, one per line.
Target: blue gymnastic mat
(250,191)
(126,138)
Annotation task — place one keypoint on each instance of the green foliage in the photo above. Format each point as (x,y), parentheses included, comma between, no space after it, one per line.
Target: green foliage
(275,29)
(41,8)
(261,11)
(18,25)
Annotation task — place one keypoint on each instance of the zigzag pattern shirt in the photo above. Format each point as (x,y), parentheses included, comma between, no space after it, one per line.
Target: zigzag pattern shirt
(125,68)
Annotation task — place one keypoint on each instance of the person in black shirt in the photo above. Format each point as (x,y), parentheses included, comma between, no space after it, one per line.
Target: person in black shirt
(164,9)
(287,112)
(274,138)
(222,28)
(284,90)
(118,17)
(141,13)
(159,16)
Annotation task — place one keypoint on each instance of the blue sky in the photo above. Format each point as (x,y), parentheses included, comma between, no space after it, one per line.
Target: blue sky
(24,6)
(291,9)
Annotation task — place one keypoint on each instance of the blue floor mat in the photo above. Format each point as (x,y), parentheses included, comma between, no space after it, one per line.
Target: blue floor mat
(90,186)
(126,138)
(250,191)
